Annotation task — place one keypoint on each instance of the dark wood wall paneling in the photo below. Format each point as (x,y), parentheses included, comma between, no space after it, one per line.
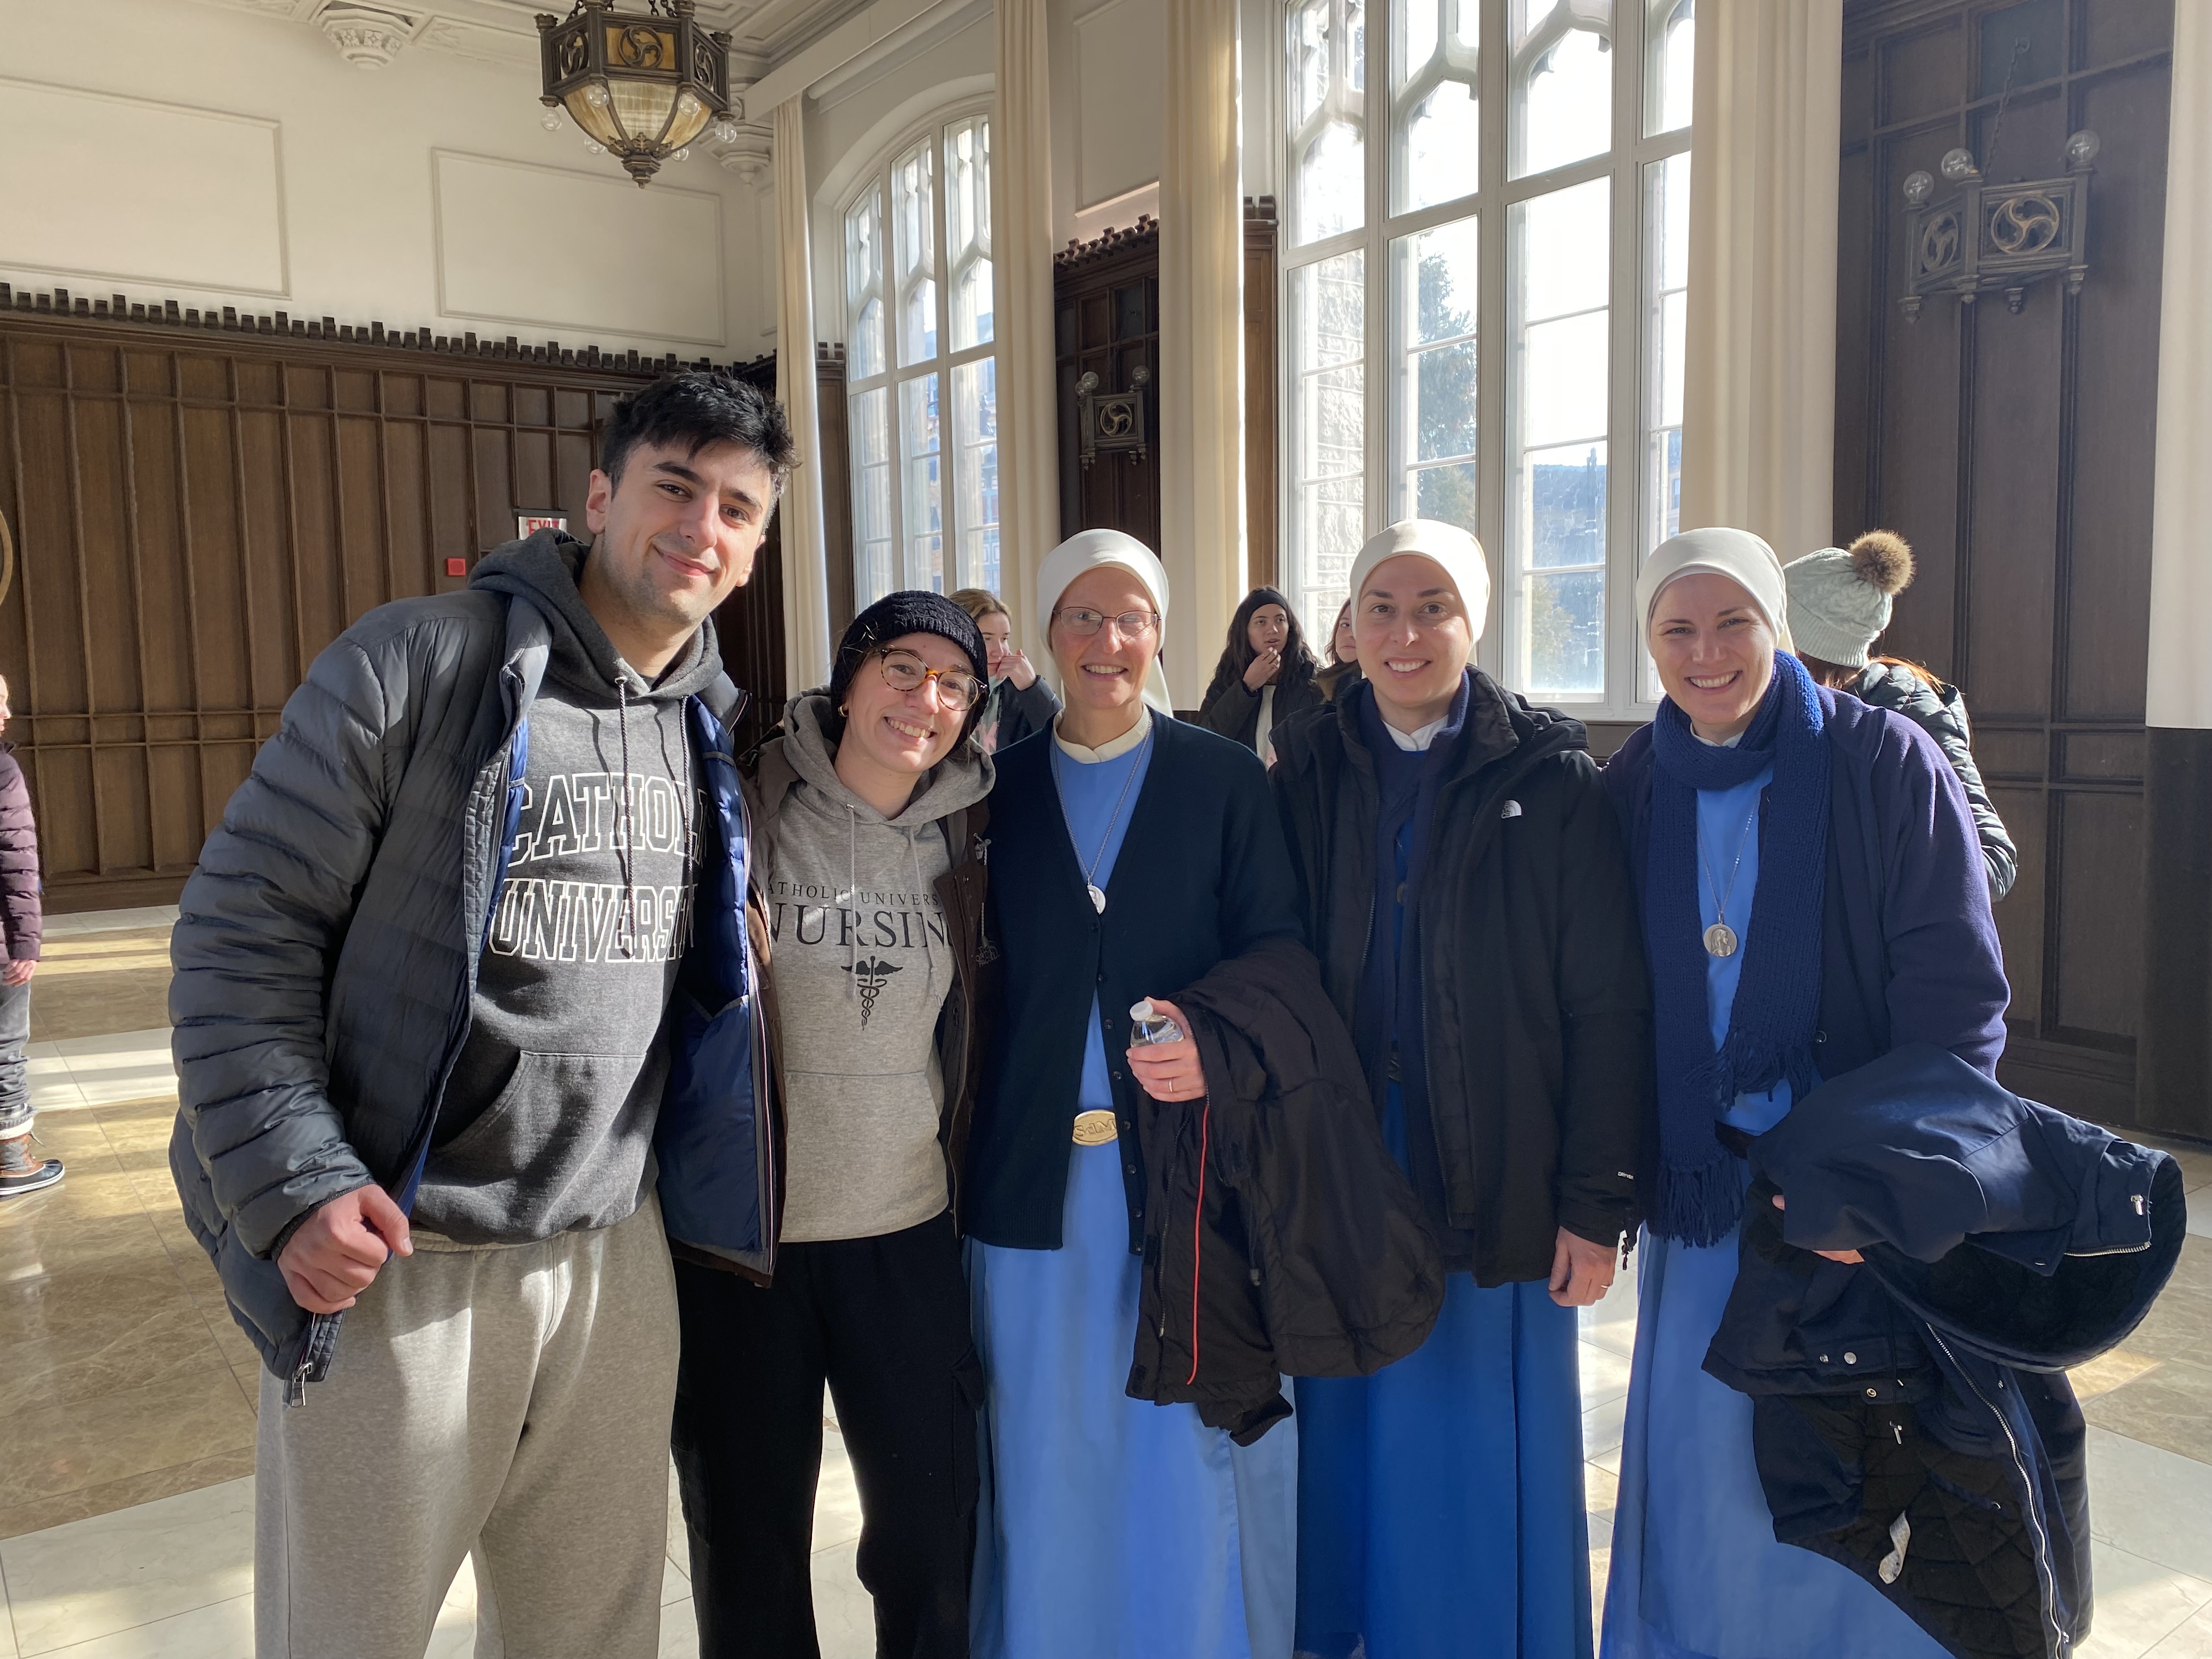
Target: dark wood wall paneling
(200,506)
(1106,298)
(1262,401)
(1106,321)
(2014,453)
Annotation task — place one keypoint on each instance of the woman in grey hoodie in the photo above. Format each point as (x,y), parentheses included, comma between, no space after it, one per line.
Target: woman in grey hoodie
(868,887)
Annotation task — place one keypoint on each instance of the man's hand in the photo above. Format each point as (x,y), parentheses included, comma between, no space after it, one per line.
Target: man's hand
(1170,1071)
(1581,1272)
(1019,670)
(335,1255)
(1262,669)
(18,973)
(1849,1258)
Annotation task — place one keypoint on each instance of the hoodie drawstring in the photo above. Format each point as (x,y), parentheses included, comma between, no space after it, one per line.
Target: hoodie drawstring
(629,829)
(851,896)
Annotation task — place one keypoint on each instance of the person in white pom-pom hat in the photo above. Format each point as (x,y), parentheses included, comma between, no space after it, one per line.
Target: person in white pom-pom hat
(1466,887)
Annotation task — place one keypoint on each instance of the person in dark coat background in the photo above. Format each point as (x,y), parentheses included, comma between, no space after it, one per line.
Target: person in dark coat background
(1839,602)
(1463,881)
(1814,895)
(21,1170)
(1265,674)
(1020,701)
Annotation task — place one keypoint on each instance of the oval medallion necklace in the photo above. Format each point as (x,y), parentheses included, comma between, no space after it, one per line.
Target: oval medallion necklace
(1090,876)
(1720,938)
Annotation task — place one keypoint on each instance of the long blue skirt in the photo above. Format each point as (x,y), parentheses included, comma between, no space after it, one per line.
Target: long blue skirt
(1440,1500)
(1696,1573)
(1110,1528)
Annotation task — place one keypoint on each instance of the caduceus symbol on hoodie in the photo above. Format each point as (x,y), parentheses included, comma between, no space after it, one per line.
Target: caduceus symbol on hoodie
(870,974)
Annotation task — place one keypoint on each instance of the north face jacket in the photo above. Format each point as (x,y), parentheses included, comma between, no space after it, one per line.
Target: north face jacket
(1534,994)
(1911,1416)
(1280,1237)
(1941,711)
(327,947)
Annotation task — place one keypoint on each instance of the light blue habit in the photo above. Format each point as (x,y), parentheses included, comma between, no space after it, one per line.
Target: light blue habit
(1696,1573)
(1111,1528)
(1440,1500)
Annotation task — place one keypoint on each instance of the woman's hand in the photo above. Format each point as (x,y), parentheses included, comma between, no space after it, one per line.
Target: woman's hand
(1263,669)
(1019,670)
(1581,1272)
(1849,1258)
(1170,1071)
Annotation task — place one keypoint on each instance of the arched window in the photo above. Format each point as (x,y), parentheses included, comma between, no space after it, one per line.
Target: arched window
(922,377)
(1529,193)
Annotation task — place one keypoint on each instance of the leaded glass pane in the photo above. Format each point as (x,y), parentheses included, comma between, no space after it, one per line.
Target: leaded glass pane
(1560,71)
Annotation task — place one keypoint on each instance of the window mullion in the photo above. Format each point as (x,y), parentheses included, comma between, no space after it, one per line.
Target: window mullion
(894,412)
(948,490)
(1624,495)
(1378,495)
(1492,349)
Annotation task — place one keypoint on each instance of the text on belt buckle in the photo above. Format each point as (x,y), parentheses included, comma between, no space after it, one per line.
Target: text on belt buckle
(1095,1128)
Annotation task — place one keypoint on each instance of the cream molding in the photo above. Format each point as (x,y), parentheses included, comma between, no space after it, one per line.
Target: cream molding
(367,37)
(504,31)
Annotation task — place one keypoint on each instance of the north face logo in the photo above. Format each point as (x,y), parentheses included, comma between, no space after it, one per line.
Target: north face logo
(870,974)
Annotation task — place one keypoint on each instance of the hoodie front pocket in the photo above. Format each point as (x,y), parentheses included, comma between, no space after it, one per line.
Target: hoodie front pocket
(554,1112)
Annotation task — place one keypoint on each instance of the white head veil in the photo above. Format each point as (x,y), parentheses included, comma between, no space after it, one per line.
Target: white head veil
(1740,557)
(1450,548)
(1090,549)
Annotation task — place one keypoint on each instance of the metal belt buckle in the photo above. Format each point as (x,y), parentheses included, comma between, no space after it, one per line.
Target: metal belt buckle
(1095,1128)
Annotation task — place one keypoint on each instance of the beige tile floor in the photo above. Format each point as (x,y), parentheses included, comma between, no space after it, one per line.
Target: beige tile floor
(128,1396)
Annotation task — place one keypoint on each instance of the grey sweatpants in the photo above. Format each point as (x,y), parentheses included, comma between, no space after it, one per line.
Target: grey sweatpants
(509,1404)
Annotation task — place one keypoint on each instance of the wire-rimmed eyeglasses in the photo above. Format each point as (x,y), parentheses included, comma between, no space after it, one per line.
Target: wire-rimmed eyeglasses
(1130,624)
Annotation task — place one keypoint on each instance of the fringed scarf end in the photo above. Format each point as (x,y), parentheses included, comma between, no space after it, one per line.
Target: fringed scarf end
(1699,1206)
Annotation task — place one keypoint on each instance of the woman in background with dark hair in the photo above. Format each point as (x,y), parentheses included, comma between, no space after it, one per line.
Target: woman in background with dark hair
(1342,670)
(1265,676)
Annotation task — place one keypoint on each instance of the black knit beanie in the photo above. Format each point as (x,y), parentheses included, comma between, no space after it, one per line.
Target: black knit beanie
(910,611)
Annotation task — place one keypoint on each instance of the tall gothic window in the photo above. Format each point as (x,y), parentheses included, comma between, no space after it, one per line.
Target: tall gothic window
(1528,188)
(921,375)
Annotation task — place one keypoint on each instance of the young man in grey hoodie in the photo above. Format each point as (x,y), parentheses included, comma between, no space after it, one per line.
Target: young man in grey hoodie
(423,976)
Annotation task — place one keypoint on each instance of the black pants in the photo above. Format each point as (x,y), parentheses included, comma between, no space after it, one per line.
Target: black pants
(885,1321)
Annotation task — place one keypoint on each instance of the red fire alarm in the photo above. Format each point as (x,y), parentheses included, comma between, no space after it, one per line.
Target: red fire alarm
(456,567)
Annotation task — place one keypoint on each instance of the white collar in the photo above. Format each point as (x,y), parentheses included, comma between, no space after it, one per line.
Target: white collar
(1112,749)
(1419,737)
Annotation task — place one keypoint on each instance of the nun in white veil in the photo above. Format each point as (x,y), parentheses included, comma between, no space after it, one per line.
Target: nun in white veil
(1129,853)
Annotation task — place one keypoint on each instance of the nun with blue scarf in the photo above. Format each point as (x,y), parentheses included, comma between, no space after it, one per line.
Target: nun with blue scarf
(1812,897)
(1466,891)
(1130,854)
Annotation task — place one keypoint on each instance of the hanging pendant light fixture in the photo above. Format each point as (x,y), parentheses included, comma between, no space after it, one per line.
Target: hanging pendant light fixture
(641,83)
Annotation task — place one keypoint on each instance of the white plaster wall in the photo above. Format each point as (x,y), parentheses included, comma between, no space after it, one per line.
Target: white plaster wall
(353,209)
(1109,83)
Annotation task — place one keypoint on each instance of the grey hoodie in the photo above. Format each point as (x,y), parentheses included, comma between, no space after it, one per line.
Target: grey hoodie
(861,969)
(547,1122)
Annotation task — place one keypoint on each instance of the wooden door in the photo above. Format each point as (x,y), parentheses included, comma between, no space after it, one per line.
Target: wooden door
(2013,450)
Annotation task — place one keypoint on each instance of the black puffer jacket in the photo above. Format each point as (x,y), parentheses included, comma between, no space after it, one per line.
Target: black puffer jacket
(1941,711)
(1537,1005)
(20,917)
(1280,1236)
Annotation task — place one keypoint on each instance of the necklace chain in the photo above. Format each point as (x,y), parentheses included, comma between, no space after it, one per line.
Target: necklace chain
(1720,898)
(1091,875)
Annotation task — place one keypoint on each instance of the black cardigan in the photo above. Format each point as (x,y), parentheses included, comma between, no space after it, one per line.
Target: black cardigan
(1203,874)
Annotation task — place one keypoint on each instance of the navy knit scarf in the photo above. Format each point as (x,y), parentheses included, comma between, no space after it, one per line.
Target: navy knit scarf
(1770,1033)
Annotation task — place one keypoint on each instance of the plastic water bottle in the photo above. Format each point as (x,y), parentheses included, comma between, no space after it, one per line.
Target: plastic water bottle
(1148,1025)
